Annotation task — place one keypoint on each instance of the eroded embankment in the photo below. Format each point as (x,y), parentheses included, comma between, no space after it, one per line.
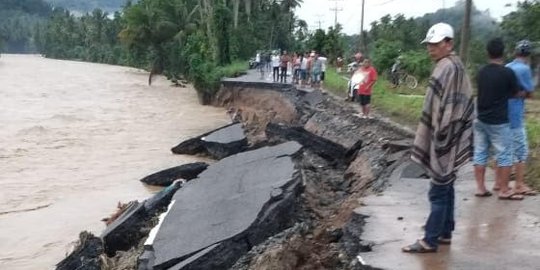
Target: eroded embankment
(341,158)
(326,235)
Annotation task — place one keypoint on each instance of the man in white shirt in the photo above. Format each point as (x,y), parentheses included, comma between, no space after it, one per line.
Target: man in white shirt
(275,66)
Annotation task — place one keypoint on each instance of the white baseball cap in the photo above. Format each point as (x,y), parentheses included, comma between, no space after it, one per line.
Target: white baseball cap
(438,32)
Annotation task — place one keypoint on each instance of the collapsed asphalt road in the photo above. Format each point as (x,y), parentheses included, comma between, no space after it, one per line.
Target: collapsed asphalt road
(285,202)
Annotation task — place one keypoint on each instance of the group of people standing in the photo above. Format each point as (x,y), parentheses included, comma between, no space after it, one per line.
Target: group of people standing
(306,68)
(449,129)
(499,124)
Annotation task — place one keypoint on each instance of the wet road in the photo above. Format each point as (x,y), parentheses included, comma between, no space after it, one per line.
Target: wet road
(490,234)
(75,138)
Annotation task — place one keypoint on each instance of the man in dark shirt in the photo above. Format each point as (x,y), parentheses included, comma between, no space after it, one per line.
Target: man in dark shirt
(496,84)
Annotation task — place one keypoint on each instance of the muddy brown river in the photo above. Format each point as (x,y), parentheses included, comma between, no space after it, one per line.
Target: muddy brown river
(75,138)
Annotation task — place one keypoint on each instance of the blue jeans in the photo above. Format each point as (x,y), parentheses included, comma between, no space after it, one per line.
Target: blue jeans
(440,222)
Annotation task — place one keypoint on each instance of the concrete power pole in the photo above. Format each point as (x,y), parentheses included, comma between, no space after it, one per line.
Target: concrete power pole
(362,38)
(336,9)
(466,33)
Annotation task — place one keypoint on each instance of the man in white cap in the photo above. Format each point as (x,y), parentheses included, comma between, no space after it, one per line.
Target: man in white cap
(443,141)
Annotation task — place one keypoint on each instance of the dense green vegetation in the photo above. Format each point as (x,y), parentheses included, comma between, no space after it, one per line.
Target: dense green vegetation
(18,20)
(180,38)
(393,36)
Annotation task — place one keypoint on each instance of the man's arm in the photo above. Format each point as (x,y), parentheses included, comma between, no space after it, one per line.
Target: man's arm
(515,88)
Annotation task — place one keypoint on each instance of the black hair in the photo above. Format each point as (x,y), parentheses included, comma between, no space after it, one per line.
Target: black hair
(495,48)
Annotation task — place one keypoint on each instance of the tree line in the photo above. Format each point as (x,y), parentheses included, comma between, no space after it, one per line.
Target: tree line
(181,38)
(18,19)
(191,39)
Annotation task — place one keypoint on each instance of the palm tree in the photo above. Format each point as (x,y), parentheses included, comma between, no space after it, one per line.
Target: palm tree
(149,24)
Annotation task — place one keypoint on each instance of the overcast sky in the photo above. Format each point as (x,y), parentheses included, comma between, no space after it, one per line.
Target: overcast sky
(313,11)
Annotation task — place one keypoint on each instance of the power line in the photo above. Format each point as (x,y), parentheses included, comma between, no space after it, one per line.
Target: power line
(384,3)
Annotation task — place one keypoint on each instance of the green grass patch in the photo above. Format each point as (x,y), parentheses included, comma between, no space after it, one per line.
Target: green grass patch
(401,104)
(234,69)
(402,108)
(533,132)
(334,82)
(533,168)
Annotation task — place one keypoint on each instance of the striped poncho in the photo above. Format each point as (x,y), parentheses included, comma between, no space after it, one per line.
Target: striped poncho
(443,141)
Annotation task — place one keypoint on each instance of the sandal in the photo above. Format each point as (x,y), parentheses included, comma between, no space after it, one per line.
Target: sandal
(419,247)
(511,196)
(444,241)
(484,194)
(527,192)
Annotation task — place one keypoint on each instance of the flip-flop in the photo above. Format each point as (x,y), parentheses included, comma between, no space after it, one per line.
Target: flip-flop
(418,247)
(511,197)
(485,194)
(528,192)
(496,188)
(444,241)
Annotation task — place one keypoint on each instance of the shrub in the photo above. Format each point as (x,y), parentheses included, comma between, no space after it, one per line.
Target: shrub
(417,63)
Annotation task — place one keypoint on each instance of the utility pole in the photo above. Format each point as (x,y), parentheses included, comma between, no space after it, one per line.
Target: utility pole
(466,33)
(336,9)
(362,38)
(319,23)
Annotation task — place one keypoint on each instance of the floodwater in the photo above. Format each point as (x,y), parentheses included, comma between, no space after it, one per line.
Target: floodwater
(75,138)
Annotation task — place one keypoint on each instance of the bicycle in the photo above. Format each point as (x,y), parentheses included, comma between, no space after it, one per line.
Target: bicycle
(402,78)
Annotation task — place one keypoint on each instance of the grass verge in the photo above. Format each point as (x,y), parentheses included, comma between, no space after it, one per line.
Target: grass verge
(404,109)
(233,69)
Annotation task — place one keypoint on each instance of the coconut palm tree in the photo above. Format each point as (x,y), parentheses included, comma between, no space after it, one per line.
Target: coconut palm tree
(151,23)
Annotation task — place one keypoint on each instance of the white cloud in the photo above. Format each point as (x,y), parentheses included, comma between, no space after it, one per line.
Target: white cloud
(313,11)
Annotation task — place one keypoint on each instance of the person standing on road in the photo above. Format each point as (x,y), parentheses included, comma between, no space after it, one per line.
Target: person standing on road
(394,72)
(496,85)
(297,62)
(339,64)
(316,69)
(275,67)
(366,87)
(516,110)
(303,69)
(443,141)
(323,68)
(285,59)
(260,64)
